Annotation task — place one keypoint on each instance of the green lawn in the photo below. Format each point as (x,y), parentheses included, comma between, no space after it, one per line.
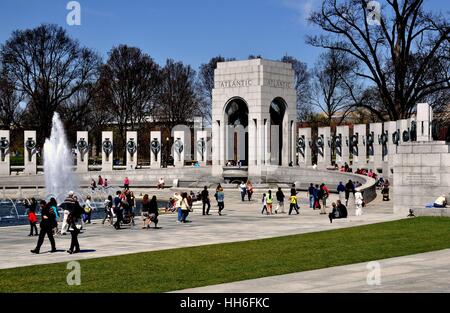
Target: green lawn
(167,270)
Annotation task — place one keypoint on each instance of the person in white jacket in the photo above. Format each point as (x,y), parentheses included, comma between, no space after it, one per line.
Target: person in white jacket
(359,200)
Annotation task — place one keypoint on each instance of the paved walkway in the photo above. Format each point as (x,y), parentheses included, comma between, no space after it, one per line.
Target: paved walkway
(240,221)
(427,272)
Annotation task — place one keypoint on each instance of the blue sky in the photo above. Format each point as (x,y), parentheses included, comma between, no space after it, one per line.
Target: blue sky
(191,31)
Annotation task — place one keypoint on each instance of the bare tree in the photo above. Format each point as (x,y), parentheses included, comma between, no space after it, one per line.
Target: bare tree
(302,88)
(405,54)
(334,87)
(11,111)
(129,86)
(178,102)
(49,68)
(205,85)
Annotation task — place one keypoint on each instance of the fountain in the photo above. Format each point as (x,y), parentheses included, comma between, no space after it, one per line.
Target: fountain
(58,162)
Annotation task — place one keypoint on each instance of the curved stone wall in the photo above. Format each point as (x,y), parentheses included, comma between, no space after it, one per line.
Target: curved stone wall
(304,176)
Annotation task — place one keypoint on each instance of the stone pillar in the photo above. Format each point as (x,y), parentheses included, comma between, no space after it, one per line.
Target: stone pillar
(82,151)
(132,150)
(389,149)
(304,147)
(30,150)
(252,147)
(374,146)
(107,151)
(201,147)
(4,153)
(223,143)
(178,148)
(155,149)
(216,166)
(323,143)
(293,142)
(270,153)
(229,142)
(342,151)
(358,146)
(240,145)
(424,119)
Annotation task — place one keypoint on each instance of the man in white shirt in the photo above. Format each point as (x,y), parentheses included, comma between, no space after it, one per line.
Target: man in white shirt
(161,183)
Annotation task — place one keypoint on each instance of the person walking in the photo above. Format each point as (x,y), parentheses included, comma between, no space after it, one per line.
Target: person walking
(153,212)
(341,191)
(264,204)
(47,224)
(219,186)
(73,220)
(311,196)
(118,210)
(145,206)
(280,201)
(220,200)
(316,197)
(349,188)
(30,205)
(243,189)
(293,203)
(177,198)
(269,202)
(205,200)
(359,200)
(108,210)
(66,206)
(184,207)
(88,208)
(249,190)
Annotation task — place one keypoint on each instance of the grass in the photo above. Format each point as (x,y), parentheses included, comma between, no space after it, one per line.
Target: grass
(176,269)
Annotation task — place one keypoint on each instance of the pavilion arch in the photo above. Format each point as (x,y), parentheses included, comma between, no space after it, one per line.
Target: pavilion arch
(236,114)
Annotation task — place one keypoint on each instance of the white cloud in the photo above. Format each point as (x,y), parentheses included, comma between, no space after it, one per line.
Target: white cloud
(303,8)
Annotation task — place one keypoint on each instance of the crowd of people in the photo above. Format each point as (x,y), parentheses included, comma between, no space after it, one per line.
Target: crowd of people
(120,209)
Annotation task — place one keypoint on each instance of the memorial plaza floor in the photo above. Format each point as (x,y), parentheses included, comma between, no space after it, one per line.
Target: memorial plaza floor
(241,221)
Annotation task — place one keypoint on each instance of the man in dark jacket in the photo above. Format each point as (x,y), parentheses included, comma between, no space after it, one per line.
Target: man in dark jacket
(280,200)
(72,205)
(205,200)
(349,188)
(48,222)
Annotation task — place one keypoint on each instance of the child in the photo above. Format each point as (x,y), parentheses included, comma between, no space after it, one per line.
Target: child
(293,205)
(220,200)
(264,204)
(269,201)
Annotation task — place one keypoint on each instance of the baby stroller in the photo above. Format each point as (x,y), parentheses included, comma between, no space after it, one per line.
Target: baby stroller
(128,214)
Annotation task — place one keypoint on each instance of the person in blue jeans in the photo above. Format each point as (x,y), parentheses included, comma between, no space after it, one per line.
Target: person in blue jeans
(311,191)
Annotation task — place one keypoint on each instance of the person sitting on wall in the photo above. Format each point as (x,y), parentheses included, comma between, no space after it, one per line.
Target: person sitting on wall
(161,183)
(441,202)
(339,211)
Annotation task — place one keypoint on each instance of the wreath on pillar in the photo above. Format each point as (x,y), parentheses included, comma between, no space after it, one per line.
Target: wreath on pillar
(30,145)
(131,148)
(301,145)
(82,147)
(201,146)
(4,147)
(107,148)
(155,146)
(354,144)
